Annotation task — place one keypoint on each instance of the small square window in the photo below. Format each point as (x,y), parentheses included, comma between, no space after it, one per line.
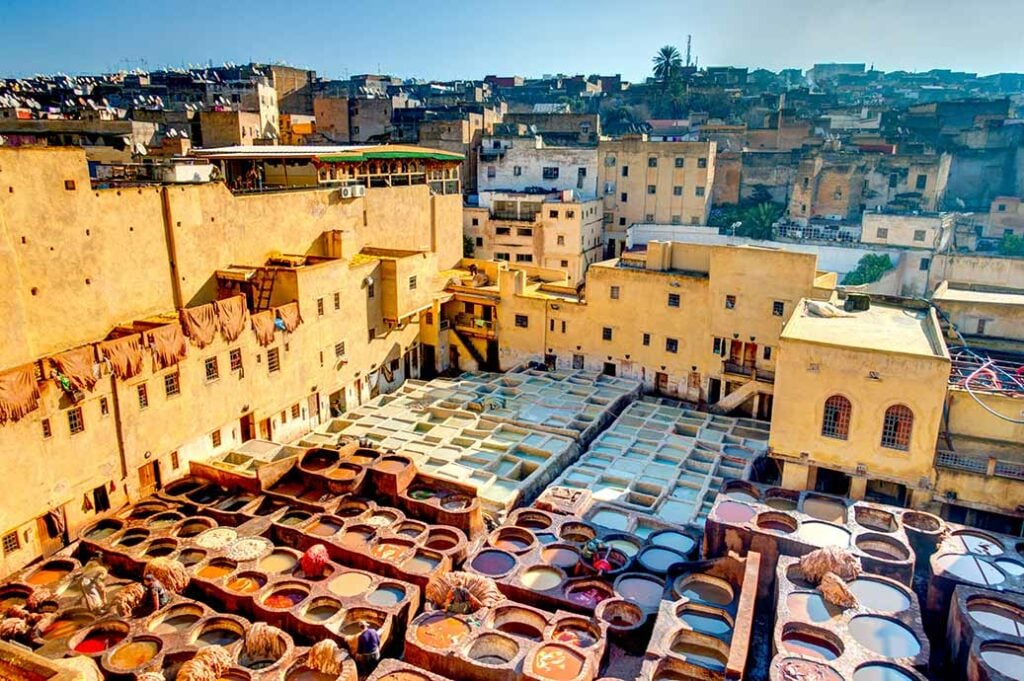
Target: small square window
(11,542)
(143,395)
(606,333)
(296,411)
(47,429)
(524,257)
(622,222)
(677,219)
(412,283)
(624,197)
(492,172)
(273,360)
(767,352)
(560,240)
(673,300)
(652,162)
(778,308)
(522,321)
(480,241)
(476,222)
(702,163)
(718,347)
(215,439)
(577,361)
(212,371)
(919,235)
(552,213)
(625,171)
(570,214)
(982,323)
(337,301)
(69,185)
(652,189)
(517,170)
(882,233)
(671,345)
(730,302)
(501,256)
(104,406)
(922,181)
(613,292)
(677,190)
(175,461)
(320,307)
(371,290)
(924,264)
(699,191)
(236,359)
(172,384)
(565,263)
(550,173)
(339,348)
(679,161)
(647,339)
(1001,208)
(75,421)
(649,217)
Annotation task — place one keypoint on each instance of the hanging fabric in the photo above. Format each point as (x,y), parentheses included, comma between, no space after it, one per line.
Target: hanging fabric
(263,327)
(169,347)
(55,522)
(124,354)
(289,314)
(200,324)
(19,393)
(231,314)
(77,365)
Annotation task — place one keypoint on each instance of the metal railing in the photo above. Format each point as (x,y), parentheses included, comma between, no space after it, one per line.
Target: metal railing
(513,215)
(979,464)
(468,321)
(764,375)
(738,369)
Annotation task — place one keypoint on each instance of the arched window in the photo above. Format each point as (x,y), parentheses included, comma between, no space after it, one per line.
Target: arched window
(836,420)
(896,427)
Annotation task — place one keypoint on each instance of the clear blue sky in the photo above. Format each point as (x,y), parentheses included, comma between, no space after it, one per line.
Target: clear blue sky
(471,38)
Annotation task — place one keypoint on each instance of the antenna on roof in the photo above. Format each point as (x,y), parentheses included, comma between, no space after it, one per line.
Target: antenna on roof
(689,38)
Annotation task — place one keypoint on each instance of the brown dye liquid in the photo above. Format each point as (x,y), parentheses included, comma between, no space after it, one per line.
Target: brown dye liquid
(781,503)
(173,625)
(278,562)
(700,655)
(306,674)
(65,626)
(47,576)
(511,544)
(354,539)
(559,664)
(389,552)
(134,654)
(442,631)
(575,636)
(520,629)
(350,584)
(799,643)
(825,509)
(391,466)
(321,612)
(324,528)
(559,557)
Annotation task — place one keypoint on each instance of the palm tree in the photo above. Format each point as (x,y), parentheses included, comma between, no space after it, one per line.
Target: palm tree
(667,63)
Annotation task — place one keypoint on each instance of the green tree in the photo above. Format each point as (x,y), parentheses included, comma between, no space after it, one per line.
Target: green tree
(667,64)
(468,246)
(758,220)
(869,269)
(1011,244)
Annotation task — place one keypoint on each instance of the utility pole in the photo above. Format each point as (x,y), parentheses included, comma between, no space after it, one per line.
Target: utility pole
(689,38)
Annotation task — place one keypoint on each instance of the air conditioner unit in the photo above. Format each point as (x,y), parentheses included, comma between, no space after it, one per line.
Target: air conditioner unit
(358,190)
(346,192)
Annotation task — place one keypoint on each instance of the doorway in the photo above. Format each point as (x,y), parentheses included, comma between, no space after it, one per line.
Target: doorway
(885,492)
(246,426)
(149,478)
(265,429)
(551,362)
(832,482)
(453,358)
(661,382)
(609,369)
(714,390)
(428,367)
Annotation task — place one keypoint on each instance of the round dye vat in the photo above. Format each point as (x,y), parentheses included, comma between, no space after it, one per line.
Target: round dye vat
(307,674)
(103,529)
(389,551)
(176,623)
(579,635)
(778,523)
(644,591)
(560,556)
(246,583)
(823,534)
(699,654)
(809,645)
(411,530)
(533,520)
(541,578)
(217,636)
(493,563)
(392,465)
(577,533)
(343,474)
(441,630)
(350,584)
(440,540)
(132,538)
(163,521)
(284,599)
(323,528)
(981,544)
(823,508)
(381,519)
(613,520)
(882,547)
(780,503)
(881,672)
(706,623)
(996,615)
(677,541)
(588,595)
(877,595)
(742,496)
(706,591)
(657,559)
(493,649)
(49,574)
(192,527)
(886,637)
(278,561)
(421,563)
(322,610)
(134,654)
(216,538)
(387,596)
(66,625)
(215,570)
(512,539)
(356,538)
(621,614)
(811,607)
(98,640)
(294,518)
(558,663)
(1010,567)
(628,547)
(969,569)
(798,668)
(455,502)
(190,557)
(734,512)
(1005,659)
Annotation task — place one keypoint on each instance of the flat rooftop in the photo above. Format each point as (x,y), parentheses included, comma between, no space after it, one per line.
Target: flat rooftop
(955,294)
(882,328)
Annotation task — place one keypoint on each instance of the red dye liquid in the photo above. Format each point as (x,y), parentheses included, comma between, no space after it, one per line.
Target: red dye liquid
(283,600)
(98,641)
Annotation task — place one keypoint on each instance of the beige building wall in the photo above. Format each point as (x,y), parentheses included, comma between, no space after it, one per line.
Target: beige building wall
(1005,216)
(231,128)
(332,120)
(121,255)
(911,231)
(660,182)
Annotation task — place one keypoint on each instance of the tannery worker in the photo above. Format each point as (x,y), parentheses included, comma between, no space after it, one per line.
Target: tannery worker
(367,646)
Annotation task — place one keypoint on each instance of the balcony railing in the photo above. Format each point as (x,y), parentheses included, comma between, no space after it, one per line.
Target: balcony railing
(523,216)
(475,325)
(738,369)
(979,464)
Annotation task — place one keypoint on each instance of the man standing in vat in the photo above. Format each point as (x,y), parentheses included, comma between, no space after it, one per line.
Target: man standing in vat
(367,647)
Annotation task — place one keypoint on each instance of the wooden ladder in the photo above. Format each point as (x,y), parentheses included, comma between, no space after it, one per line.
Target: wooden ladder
(266,287)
